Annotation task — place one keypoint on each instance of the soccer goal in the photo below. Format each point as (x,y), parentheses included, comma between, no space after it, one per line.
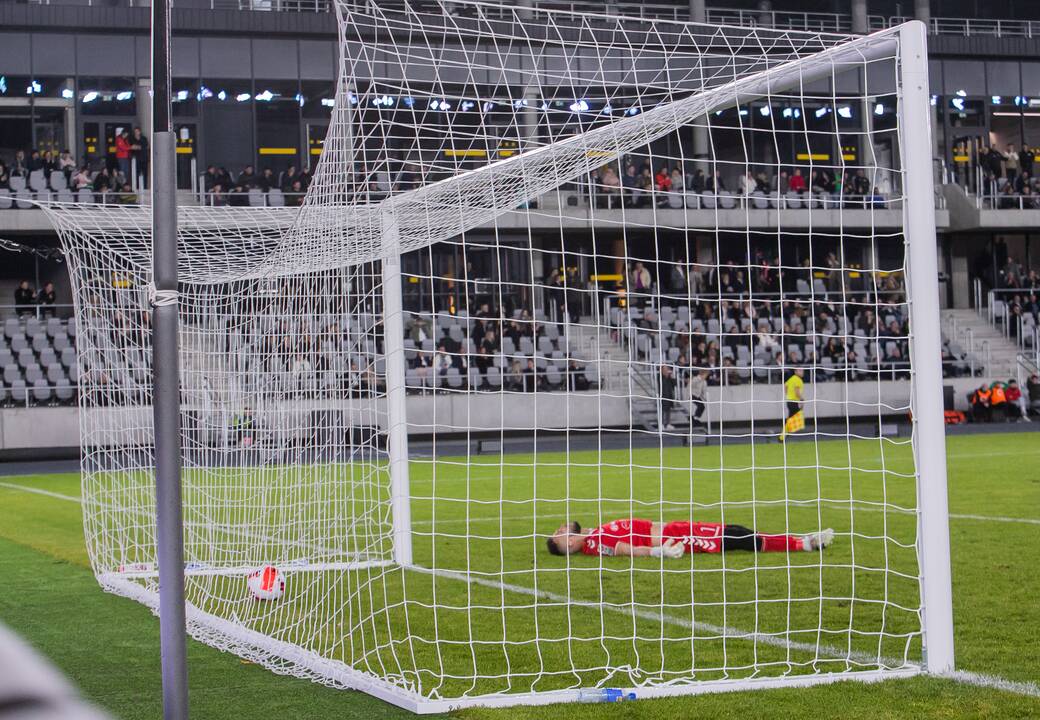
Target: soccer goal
(552,268)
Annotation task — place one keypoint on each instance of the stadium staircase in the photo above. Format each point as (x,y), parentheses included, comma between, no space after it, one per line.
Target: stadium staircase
(981,341)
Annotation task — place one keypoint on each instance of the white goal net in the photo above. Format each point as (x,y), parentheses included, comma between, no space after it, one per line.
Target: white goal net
(555,273)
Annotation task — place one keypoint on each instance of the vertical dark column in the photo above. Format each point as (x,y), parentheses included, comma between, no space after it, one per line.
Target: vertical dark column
(166,379)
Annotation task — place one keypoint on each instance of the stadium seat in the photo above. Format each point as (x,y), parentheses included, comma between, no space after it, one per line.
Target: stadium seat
(18,392)
(37,181)
(84,196)
(12,373)
(726,200)
(275,198)
(494,377)
(65,393)
(56,374)
(23,199)
(5,199)
(58,182)
(256,197)
(41,391)
(16,183)
(759,200)
(65,196)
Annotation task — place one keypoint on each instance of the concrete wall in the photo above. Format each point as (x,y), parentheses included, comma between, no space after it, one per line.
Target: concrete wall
(25,429)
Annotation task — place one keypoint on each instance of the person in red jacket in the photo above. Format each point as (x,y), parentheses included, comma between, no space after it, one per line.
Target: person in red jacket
(797,182)
(123,150)
(637,537)
(1013,397)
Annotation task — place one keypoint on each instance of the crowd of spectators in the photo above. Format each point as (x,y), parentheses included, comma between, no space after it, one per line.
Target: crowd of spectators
(1007,177)
(733,324)
(31,302)
(40,172)
(632,182)
(1005,401)
(223,188)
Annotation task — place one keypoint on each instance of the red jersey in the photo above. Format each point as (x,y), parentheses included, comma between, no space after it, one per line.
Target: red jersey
(603,540)
(695,537)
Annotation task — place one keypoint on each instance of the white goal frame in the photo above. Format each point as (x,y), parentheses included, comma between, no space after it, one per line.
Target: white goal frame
(933,551)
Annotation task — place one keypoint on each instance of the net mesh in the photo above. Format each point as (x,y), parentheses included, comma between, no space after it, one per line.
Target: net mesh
(618,238)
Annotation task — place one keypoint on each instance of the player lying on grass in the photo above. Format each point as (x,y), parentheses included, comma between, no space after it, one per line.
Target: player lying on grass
(641,538)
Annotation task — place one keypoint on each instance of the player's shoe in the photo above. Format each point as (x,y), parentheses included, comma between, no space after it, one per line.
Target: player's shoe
(817,540)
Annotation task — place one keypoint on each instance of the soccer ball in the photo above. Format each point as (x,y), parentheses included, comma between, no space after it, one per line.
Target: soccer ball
(267,583)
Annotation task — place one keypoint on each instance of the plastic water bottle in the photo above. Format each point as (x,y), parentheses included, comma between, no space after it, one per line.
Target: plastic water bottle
(604,695)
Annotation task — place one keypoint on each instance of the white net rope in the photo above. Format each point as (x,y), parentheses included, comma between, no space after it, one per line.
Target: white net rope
(618,238)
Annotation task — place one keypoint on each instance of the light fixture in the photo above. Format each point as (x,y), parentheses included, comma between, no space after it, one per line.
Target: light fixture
(299,98)
(488,106)
(328,102)
(383,101)
(517,104)
(221,96)
(181,96)
(961,93)
(205,93)
(632,111)
(90,96)
(67,94)
(579,106)
(958,103)
(265,96)
(995,99)
(351,98)
(34,88)
(935,99)
(607,108)
(467,105)
(764,111)
(845,111)
(124,95)
(879,109)
(821,112)
(3,84)
(742,113)
(787,112)
(408,101)
(243,97)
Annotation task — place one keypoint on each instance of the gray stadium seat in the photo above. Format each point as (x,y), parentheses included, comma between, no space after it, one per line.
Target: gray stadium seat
(56,374)
(65,196)
(11,374)
(58,180)
(65,393)
(41,391)
(33,373)
(18,394)
(37,181)
(84,196)
(23,199)
(16,183)
(5,199)
(275,198)
(256,197)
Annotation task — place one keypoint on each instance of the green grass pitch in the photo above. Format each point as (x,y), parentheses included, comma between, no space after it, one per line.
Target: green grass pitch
(108,645)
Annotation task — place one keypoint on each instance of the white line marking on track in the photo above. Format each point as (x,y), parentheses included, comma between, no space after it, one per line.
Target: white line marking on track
(39,491)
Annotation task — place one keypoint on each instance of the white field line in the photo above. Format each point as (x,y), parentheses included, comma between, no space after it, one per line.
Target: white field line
(840,506)
(39,491)
(853,657)
(562,516)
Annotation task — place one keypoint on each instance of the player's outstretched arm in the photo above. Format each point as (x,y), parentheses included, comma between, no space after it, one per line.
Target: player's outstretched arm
(670,549)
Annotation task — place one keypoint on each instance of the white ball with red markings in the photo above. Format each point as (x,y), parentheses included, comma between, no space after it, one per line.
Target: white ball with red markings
(267,583)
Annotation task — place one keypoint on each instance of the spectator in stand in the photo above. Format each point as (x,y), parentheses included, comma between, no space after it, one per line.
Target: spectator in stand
(217,197)
(1025,160)
(67,164)
(748,184)
(5,176)
(698,389)
(714,184)
(797,182)
(1011,163)
(781,183)
(295,196)
(630,187)
(639,283)
(531,379)
(1033,393)
(126,195)
(698,182)
(141,155)
(23,298)
(19,168)
(1016,407)
(666,388)
(123,153)
(997,400)
(267,180)
(247,180)
(82,179)
(46,299)
(102,181)
(35,161)
(663,180)
(287,178)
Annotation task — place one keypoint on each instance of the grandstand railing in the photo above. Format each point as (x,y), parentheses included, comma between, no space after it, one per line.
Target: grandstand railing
(40,312)
(779,19)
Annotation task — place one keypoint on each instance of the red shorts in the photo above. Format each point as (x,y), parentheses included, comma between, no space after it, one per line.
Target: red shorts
(696,537)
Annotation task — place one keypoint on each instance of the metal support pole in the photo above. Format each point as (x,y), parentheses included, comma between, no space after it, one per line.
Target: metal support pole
(169,530)
(925,348)
(396,411)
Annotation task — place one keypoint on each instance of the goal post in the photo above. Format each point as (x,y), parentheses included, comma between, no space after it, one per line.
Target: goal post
(919,224)
(516,291)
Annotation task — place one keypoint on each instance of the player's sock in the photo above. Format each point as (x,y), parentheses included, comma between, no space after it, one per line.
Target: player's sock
(817,540)
(781,543)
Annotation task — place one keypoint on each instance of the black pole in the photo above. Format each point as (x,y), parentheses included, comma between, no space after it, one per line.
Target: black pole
(166,412)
